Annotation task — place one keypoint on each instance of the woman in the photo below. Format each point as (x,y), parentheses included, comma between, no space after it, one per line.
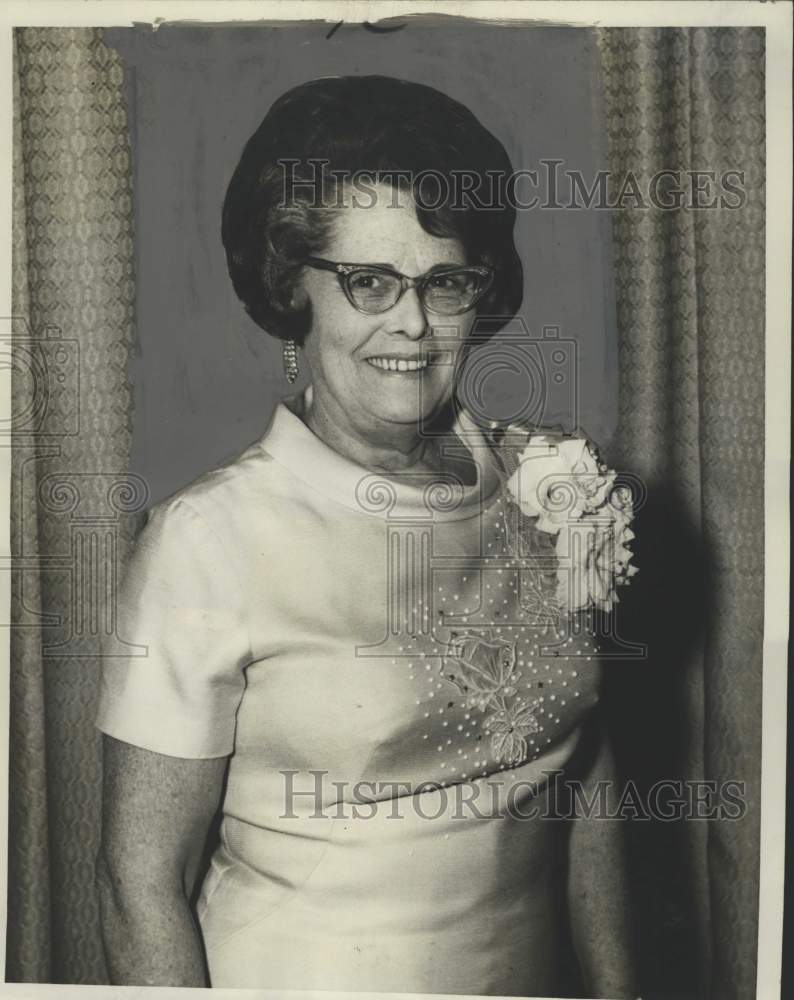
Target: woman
(349,628)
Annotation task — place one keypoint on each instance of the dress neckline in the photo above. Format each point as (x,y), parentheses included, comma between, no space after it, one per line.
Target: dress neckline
(295,446)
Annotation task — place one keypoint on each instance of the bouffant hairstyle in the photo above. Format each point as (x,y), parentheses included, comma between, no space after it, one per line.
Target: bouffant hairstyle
(278,208)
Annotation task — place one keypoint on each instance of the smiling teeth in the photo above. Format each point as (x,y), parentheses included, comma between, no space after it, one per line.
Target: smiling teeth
(393,365)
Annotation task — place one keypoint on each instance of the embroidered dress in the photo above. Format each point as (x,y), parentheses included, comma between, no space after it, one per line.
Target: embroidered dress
(386,665)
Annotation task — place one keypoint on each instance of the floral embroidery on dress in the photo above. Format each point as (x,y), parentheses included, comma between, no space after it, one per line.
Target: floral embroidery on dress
(563,535)
(509,727)
(482,666)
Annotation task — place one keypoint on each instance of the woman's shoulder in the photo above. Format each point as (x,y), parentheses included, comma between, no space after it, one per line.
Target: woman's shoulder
(226,495)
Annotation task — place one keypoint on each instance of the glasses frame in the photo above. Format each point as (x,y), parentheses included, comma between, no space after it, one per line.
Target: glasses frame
(344,272)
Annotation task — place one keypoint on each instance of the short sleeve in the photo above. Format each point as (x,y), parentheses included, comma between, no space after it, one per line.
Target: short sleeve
(180,612)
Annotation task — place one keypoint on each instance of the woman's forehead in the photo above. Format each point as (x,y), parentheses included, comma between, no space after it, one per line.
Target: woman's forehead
(386,230)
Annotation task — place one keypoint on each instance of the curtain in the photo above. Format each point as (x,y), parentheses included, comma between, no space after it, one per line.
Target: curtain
(72,519)
(690,300)
(690,315)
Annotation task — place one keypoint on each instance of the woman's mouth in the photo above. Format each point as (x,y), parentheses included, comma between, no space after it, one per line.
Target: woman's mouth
(398,364)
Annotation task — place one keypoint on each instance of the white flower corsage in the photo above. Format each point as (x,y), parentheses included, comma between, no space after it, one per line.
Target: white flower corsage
(561,482)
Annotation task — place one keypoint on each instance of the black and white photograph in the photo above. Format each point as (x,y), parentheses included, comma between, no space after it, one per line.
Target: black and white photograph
(396,432)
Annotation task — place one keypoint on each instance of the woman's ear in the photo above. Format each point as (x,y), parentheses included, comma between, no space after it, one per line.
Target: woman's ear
(292,301)
(299,298)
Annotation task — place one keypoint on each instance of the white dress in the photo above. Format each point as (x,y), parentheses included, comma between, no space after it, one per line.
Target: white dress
(369,653)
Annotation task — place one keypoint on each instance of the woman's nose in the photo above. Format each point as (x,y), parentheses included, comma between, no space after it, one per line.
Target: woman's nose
(408,317)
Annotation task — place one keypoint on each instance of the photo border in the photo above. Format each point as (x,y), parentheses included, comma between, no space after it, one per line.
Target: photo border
(776,18)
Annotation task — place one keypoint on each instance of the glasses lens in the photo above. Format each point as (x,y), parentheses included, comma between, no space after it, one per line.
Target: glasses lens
(454,291)
(373,291)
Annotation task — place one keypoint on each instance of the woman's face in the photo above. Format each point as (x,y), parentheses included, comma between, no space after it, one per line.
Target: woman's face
(346,349)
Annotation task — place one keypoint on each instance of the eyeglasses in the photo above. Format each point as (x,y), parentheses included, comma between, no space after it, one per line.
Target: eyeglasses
(375,288)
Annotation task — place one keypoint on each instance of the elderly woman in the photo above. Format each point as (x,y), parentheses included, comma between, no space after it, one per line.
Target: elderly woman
(360,642)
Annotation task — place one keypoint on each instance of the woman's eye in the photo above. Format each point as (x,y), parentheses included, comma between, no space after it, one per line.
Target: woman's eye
(445,282)
(365,282)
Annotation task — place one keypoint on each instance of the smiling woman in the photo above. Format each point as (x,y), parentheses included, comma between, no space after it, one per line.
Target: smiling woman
(365,596)
(370,228)
(359,359)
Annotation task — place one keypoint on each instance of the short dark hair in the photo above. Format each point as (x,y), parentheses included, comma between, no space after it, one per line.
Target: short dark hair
(368,125)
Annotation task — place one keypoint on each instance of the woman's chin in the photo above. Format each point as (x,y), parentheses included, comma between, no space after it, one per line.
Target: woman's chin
(405,407)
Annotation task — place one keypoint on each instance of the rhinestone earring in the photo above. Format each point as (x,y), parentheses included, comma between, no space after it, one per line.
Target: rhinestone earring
(290,358)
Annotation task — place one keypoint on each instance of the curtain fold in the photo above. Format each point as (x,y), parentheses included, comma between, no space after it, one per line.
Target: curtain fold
(73,297)
(690,290)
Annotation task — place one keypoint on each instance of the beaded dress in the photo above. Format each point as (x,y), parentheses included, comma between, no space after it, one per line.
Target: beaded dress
(385,664)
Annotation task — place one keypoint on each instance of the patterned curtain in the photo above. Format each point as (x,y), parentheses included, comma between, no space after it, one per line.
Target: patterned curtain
(691,301)
(73,297)
(690,290)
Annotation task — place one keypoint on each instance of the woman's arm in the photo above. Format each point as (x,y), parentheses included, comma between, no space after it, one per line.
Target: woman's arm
(598,889)
(156,814)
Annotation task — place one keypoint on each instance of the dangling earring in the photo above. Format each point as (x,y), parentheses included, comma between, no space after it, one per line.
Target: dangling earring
(290,358)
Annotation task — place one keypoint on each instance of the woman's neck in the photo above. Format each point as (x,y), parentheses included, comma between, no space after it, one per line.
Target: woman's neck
(392,449)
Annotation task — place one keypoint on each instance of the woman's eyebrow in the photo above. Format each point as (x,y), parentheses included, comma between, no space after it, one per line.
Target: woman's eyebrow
(445,264)
(391,267)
